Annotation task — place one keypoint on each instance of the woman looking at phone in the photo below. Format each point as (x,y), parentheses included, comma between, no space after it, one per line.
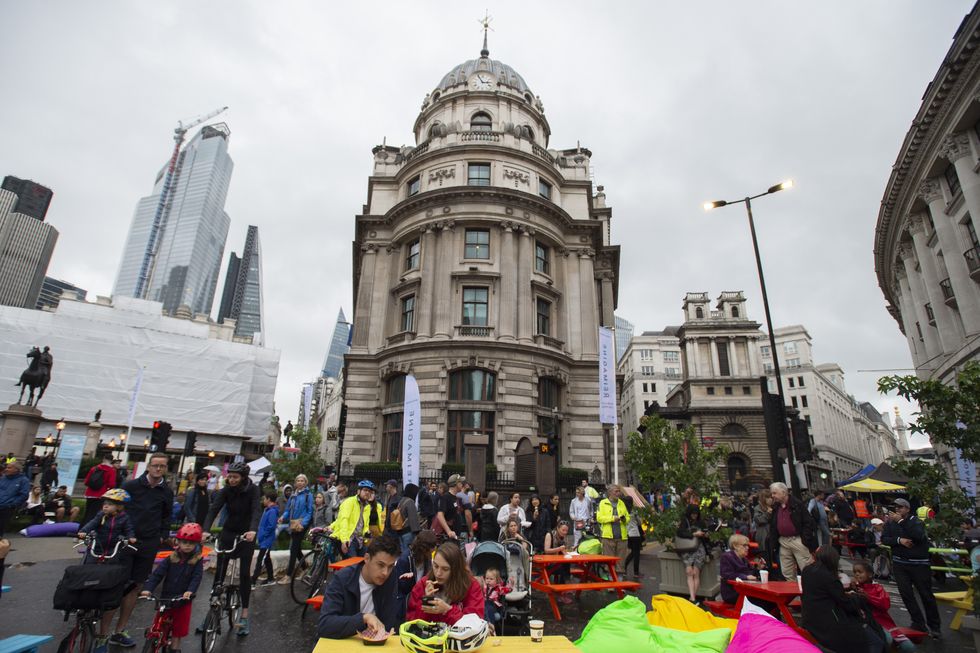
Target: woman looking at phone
(448,591)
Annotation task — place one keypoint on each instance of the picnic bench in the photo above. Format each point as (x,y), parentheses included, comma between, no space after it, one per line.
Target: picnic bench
(23,643)
(781,593)
(961,600)
(585,567)
(316,602)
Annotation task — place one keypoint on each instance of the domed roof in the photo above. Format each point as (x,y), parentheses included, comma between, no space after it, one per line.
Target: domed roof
(506,75)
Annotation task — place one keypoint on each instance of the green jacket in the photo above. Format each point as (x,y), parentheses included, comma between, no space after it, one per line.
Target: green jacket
(604,515)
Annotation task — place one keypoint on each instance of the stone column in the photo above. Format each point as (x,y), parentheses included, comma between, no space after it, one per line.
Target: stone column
(913,280)
(507,321)
(19,429)
(606,316)
(365,292)
(965,290)
(957,149)
(751,351)
(560,275)
(442,322)
(426,296)
(907,311)
(590,306)
(525,298)
(948,333)
(573,304)
(381,299)
(691,350)
(715,363)
(733,366)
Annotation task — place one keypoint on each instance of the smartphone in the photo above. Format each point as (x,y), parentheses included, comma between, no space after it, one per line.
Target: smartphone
(428,600)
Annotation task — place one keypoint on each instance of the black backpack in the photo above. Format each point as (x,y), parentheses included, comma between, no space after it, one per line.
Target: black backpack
(91,587)
(96,479)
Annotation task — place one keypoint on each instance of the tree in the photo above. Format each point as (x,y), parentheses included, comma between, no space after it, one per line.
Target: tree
(671,460)
(929,485)
(950,413)
(286,465)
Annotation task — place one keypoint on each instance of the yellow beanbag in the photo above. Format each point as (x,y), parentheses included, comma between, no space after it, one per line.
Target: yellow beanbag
(680,614)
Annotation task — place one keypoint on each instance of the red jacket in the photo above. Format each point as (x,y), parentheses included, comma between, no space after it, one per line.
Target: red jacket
(108,481)
(472,603)
(879,601)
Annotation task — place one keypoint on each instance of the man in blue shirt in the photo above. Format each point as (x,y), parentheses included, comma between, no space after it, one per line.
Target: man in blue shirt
(14,488)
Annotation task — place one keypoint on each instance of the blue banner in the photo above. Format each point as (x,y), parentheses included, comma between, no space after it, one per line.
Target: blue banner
(69,459)
(411,432)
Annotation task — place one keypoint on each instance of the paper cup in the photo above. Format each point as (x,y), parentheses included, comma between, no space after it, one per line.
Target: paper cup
(764,575)
(537,630)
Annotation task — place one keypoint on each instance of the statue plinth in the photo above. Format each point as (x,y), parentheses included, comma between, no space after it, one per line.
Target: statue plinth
(19,429)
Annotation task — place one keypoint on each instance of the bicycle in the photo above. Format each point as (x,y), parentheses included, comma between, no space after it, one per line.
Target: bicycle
(311,570)
(160,634)
(81,638)
(225,597)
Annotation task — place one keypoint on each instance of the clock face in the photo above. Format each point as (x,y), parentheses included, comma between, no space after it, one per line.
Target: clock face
(482,82)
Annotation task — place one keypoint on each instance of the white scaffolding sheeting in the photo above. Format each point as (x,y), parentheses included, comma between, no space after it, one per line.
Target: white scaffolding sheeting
(193,381)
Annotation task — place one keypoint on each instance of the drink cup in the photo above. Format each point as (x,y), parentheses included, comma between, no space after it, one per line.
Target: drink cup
(764,575)
(537,630)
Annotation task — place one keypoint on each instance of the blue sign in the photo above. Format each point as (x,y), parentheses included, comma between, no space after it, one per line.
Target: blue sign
(70,459)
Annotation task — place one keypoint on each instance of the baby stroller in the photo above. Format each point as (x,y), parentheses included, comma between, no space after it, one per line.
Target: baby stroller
(514,564)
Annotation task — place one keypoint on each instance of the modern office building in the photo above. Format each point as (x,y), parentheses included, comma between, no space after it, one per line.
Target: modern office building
(927,253)
(52,289)
(26,241)
(177,264)
(333,364)
(241,300)
(483,267)
(651,369)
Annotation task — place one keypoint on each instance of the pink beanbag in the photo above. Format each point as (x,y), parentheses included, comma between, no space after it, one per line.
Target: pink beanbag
(762,634)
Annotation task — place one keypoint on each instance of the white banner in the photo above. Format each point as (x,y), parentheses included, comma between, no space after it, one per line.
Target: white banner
(69,459)
(307,403)
(607,376)
(135,396)
(411,432)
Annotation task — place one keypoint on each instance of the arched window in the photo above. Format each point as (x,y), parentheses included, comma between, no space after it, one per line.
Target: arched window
(481,122)
(395,390)
(472,385)
(734,430)
(734,311)
(699,313)
(738,471)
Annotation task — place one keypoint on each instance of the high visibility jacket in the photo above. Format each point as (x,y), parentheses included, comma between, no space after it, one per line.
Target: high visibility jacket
(604,515)
(343,527)
(924,513)
(591,492)
(861,509)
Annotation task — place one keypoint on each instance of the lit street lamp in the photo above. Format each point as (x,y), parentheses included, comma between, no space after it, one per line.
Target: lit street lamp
(60,426)
(765,304)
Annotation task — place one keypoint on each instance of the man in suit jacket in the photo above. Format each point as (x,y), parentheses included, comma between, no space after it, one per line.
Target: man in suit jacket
(362,598)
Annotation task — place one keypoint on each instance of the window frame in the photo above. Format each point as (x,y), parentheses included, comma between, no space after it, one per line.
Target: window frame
(539,317)
(391,436)
(414,185)
(395,391)
(467,245)
(545,189)
(464,319)
(478,179)
(414,257)
(457,430)
(488,384)
(408,313)
(481,125)
(542,258)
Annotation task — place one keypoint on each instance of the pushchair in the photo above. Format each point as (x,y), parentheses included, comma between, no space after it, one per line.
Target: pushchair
(514,564)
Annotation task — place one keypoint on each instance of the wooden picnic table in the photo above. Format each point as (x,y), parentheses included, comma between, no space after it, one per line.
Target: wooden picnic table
(550,644)
(346,562)
(779,592)
(591,581)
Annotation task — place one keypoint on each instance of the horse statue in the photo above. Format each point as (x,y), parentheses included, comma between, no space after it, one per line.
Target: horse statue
(37,375)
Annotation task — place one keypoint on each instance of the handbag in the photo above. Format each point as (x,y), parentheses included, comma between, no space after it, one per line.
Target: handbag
(296,525)
(686,544)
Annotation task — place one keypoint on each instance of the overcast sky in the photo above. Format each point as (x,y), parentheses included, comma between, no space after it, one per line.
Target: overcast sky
(679,103)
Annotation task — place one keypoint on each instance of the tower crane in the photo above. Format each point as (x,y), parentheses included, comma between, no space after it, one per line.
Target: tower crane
(166,201)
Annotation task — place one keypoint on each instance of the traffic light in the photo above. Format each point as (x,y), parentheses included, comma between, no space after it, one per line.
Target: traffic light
(189,442)
(160,436)
(801,439)
(550,447)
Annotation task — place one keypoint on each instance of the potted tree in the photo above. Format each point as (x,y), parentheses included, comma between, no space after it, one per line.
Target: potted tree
(673,460)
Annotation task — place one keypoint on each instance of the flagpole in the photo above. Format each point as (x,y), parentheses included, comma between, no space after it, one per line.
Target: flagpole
(132,412)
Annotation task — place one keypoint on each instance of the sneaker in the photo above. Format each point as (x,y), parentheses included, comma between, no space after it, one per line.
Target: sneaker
(243,627)
(936,634)
(268,582)
(101,645)
(123,639)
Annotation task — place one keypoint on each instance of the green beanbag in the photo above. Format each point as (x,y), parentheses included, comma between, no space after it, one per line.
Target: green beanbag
(623,626)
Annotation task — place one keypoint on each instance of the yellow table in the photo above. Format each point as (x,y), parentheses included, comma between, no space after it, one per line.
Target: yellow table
(551,644)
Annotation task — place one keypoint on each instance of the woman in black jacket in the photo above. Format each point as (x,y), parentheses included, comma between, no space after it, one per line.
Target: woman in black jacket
(197,501)
(540,522)
(834,617)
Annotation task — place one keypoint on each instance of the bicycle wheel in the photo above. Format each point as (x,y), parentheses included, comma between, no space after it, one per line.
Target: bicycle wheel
(212,629)
(299,584)
(79,640)
(153,645)
(234,607)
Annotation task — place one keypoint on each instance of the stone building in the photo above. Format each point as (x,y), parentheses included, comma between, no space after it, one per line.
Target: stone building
(482,266)
(927,254)
(651,369)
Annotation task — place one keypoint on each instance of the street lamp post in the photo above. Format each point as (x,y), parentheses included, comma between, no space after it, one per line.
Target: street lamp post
(60,426)
(790,458)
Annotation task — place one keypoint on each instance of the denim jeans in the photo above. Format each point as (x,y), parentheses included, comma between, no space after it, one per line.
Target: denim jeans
(406,539)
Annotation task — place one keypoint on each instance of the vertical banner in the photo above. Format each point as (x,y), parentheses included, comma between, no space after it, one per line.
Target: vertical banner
(135,396)
(967,472)
(607,376)
(307,403)
(70,459)
(411,432)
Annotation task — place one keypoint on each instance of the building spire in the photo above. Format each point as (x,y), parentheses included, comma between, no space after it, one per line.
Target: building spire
(485,21)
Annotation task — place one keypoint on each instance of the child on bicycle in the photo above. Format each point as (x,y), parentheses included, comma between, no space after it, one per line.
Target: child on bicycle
(180,574)
(266,538)
(113,524)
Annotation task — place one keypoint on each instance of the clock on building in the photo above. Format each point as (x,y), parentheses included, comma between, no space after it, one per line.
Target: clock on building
(481,82)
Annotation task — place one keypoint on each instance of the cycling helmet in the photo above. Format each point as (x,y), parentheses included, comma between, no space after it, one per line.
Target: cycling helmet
(238,468)
(419,636)
(190,532)
(468,634)
(367,485)
(117,494)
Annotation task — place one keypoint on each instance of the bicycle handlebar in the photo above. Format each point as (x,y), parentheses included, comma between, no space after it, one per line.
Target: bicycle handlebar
(89,543)
(231,550)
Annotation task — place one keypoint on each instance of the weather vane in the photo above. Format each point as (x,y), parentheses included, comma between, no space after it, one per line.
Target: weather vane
(485,22)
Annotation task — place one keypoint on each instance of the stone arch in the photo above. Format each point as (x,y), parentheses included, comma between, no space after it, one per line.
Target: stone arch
(737,471)
(733,429)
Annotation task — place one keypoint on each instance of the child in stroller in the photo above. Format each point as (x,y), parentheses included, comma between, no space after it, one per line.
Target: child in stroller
(494,593)
(513,563)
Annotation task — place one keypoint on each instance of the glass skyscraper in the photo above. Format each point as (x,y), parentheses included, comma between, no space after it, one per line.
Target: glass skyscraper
(242,297)
(624,333)
(26,241)
(339,345)
(185,260)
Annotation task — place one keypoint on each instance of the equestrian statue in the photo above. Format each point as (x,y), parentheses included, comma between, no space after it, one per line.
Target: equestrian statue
(37,375)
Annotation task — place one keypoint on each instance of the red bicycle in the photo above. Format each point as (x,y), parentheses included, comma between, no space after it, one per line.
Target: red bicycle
(160,635)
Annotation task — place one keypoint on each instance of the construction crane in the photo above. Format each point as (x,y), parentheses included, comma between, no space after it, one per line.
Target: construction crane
(166,201)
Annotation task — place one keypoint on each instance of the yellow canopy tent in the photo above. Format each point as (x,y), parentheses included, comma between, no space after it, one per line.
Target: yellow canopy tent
(872,485)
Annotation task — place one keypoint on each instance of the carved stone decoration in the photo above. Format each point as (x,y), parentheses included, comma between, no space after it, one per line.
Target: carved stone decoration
(527,216)
(373,234)
(519,176)
(583,239)
(428,213)
(917,223)
(509,211)
(930,190)
(442,174)
(904,251)
(956,147)
(446,209)
(369,248)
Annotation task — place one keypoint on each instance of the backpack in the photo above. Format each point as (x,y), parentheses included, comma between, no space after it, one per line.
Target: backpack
(398,521)
(96,479)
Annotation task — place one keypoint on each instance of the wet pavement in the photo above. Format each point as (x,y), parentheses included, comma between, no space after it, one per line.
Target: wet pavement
(277,624)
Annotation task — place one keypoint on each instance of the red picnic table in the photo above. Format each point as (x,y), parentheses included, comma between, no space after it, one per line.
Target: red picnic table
(591,581)
(780,592)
